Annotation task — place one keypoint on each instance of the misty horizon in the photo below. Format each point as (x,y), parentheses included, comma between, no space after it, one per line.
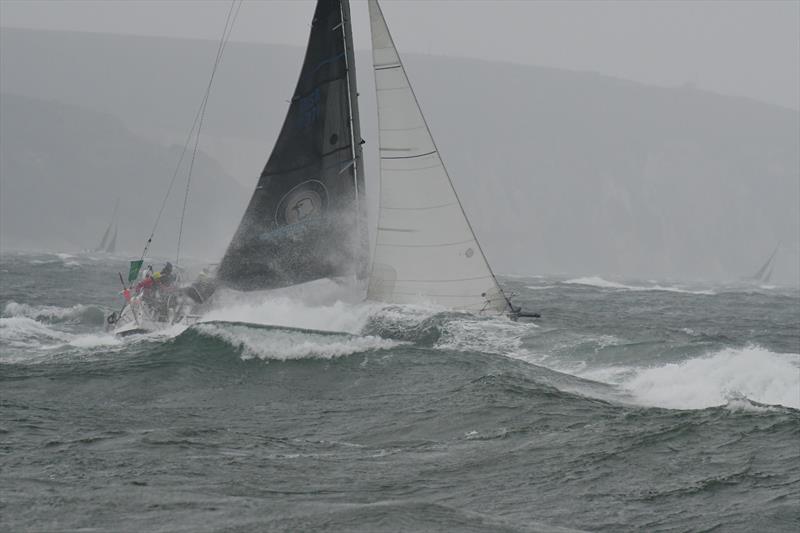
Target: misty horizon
(687,84)
(742,48)
(540,88)
(147,97)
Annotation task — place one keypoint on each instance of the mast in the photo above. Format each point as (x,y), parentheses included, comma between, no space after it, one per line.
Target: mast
(355,136)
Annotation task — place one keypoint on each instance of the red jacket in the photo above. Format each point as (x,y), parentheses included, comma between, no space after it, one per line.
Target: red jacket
(146,283)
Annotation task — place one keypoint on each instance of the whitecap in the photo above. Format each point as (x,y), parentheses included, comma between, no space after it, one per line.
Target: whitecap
(22,331)
(715,379)
(40,312)
(282,344)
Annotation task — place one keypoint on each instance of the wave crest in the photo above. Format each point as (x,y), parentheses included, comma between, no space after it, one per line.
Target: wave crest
(721,378)
(282,344)
(52,313)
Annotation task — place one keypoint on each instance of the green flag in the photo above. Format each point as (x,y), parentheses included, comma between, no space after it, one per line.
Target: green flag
(134,271)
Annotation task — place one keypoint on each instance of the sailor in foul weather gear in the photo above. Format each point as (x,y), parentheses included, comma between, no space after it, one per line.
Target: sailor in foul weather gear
(165,277)
(146,284)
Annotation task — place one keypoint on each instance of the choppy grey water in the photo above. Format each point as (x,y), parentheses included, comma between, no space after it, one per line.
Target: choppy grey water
(629,406)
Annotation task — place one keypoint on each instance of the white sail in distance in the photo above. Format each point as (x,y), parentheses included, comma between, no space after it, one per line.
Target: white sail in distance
(425,249)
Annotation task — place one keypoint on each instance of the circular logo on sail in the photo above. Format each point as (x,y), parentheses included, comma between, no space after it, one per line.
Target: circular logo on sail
(304,201)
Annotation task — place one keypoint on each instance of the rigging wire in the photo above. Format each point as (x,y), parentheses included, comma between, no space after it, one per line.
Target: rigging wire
(197,119)
(226,33)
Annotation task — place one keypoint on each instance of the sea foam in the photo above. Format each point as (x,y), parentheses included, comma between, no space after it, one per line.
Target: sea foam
(716,379)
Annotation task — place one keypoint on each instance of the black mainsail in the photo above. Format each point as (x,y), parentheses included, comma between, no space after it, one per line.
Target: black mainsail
(305,220)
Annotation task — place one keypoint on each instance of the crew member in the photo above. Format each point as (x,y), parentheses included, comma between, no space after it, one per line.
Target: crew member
(165,278)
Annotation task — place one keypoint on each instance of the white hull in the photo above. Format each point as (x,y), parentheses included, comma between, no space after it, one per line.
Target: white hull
(138,317)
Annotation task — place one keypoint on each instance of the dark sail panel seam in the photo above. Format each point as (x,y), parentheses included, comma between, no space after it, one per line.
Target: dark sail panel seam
(324,62)
(294,169)
(326,81)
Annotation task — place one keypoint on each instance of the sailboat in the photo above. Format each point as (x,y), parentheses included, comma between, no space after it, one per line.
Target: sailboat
(108,243)
(306,219)
(764,274)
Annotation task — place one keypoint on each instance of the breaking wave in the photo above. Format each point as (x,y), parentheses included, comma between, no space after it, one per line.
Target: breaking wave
(281,344)
(52,313)
(328,307)
(38,340)
(24,331)
(716,379)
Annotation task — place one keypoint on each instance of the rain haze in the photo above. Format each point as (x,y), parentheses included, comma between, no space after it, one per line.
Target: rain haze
(689,171)
(514,266)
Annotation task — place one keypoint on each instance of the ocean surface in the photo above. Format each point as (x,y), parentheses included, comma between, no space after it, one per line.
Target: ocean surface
(629,406)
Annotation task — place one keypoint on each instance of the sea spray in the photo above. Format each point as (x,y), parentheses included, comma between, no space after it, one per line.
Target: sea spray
(325,306)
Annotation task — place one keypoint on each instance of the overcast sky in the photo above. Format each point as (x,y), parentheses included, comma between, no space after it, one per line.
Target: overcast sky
(746,48)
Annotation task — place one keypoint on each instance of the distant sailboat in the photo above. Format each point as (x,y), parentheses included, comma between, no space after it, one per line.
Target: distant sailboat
(764,274)
(108,243)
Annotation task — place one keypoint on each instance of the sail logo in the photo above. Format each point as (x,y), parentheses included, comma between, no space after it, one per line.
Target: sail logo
(304,201)
(309,109)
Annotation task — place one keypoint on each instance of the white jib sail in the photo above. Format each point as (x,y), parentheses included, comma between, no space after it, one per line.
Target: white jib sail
(426,251)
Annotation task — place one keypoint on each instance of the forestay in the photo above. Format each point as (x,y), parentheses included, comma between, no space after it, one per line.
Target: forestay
(425,248)
(305,219)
